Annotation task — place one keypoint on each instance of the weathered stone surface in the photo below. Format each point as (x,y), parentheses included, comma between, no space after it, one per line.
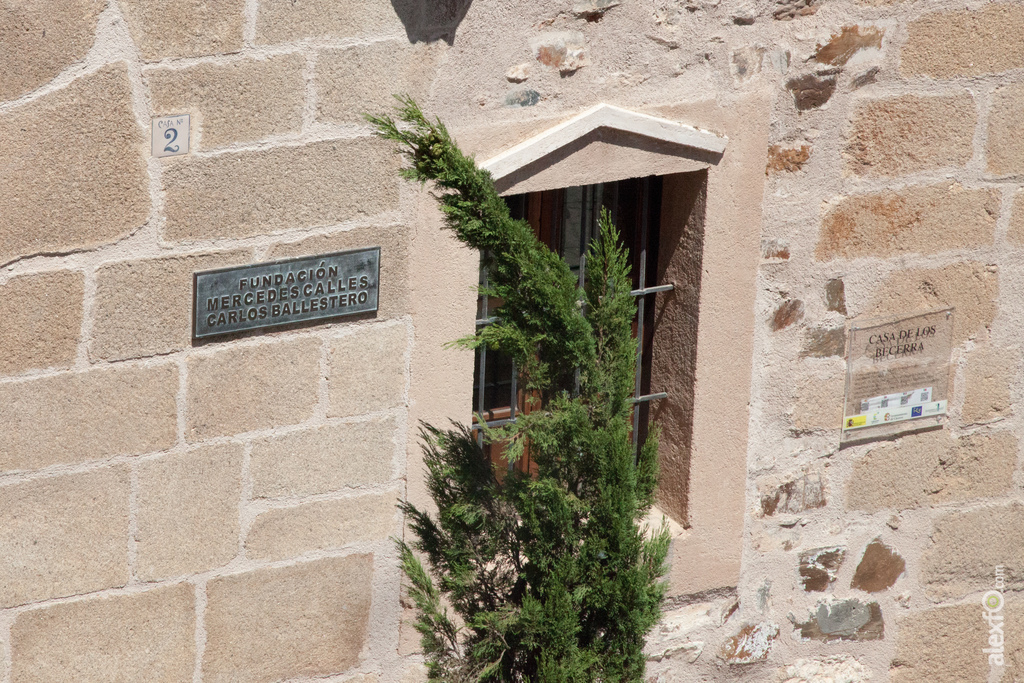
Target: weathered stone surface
(240,101)
(72,169)
(184,28)
(990,372)
(967,546)
(140,637)
(76,417)
(565,51)
(518,73)
(941,646)
(818,403)
(787,10)
(971,287)
(526,97)
(144,308)
(818,567)
(787,159)
(1015,233)
(365,78)
(789,312)
(41,39)
(238,194)
(42,320)
(965,42)
(281,21)
(879,568)
(324,459)
(1004,149)
(843,620)
(751,644)
(811,91)
(795,496)
(833,669)
(243,388)
(63,536)
(775,249)
(745,63)
(188,511)
(323,525)
(304,620)
(824,342)
(928,468)
(835,295)
(394,242)
(912,220)
(899,135)
(842,46)
(367,371)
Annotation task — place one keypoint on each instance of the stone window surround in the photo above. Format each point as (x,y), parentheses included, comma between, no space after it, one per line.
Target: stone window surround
(607,143)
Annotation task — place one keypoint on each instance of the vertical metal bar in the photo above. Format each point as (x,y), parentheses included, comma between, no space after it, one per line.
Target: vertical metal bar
(483,367)
(644,200)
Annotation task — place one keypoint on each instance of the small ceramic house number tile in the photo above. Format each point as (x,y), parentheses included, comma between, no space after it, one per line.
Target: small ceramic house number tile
(170,135)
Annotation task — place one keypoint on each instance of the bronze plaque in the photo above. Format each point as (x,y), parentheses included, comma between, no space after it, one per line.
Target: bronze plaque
(261,295)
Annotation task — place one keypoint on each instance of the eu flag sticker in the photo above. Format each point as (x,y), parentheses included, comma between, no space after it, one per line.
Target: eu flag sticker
(915,411)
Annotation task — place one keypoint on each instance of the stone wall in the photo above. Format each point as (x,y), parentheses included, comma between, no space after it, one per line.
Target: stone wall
(221,512)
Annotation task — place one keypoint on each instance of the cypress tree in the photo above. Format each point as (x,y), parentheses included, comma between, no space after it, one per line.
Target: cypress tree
(551,576)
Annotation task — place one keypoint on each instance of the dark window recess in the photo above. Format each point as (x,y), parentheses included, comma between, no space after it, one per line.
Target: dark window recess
(567,220)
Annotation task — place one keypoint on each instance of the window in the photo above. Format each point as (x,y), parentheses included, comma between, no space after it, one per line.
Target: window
(567,220)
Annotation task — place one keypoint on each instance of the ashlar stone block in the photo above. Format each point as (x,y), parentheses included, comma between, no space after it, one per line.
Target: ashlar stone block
(238,194)
(242,388)
(909,133)
(922,469)
(63,536)
(367,371)
(240,101)
(365,78)
(144,307)
(323,459)
(41,39)
(72,168)
(281,21)
(967,546)
(188,518)
(966,42)
(77,417)
(914,220)
(184,28)
(323,525)
(42,320)
(990,373)
(146,636)
(304,620)
(941,645)
(1004,150)
(971,287)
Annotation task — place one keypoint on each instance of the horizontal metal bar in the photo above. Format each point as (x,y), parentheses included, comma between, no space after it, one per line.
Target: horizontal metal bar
(499,423)
(653,290)
(484,322)
(649,397)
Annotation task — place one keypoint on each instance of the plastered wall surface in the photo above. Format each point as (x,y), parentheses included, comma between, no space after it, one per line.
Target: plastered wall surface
(221,512)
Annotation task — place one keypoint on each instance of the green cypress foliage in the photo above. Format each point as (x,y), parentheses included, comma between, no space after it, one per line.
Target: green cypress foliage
(551,577)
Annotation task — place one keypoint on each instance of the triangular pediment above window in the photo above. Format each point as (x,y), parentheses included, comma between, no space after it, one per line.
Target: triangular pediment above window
(604,144)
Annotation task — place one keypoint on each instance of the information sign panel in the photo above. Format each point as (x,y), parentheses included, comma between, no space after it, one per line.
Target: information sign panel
(897,374)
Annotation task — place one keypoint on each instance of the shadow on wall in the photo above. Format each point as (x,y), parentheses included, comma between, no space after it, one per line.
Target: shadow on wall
(429,20)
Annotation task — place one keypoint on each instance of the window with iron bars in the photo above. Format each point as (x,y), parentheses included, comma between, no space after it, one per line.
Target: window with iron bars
(567,220)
